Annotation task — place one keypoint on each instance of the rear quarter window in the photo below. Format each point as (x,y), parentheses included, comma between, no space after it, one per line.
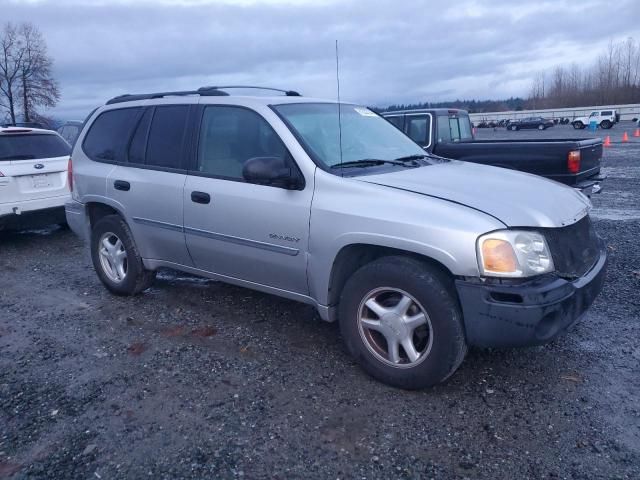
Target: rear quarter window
(32,146)
(109,135)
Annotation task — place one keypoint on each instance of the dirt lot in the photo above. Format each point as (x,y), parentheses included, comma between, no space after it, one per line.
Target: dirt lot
(196,379)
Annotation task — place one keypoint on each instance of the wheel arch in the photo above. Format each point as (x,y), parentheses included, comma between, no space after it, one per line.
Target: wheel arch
(353,256)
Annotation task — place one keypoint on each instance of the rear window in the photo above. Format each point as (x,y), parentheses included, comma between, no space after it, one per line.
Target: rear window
(454,129)
(109,135)
(32,146)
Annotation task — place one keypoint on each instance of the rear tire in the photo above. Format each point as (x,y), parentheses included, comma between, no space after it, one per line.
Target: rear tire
(116,259)
(578,125)
(400,289)
(606,124)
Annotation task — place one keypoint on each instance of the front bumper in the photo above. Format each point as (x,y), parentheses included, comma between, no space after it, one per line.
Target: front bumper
(529,313)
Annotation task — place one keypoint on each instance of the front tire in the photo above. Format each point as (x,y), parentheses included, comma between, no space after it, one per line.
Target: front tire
(400,320)
(541,127)
(116,259)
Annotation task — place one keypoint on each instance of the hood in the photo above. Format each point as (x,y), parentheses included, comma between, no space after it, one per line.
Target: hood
(516,199)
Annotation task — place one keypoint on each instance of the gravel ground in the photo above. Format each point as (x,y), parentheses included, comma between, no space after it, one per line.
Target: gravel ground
(197,379)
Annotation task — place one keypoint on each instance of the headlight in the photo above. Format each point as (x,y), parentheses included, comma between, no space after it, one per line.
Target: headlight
(513,253)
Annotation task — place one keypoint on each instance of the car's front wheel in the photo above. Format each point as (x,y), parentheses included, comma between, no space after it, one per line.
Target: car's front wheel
(541,127)
(116,258)
(400,320)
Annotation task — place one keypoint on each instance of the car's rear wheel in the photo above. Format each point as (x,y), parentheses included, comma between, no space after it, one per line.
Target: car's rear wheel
(116,258)
(578,125)
(606,124)
(400,320)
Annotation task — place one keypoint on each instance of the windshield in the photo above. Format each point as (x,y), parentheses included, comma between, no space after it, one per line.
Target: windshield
(365,135)
(32,146)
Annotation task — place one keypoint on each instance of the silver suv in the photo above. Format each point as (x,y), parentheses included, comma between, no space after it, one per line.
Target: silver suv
(416,256)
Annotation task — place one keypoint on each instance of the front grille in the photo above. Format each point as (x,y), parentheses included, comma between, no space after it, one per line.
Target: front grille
(574,249)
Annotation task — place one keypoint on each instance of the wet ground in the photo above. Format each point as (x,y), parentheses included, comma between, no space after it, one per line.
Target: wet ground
(197,379)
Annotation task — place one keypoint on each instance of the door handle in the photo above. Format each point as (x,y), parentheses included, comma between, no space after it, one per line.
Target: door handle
(200,197)
(122,185)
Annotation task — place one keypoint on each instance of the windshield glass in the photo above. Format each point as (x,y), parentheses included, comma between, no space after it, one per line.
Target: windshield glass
(365,135)
(32,146)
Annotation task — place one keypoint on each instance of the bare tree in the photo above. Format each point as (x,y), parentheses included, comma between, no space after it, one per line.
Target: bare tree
(10,61)
(26,80)
(613,78)
(37,85)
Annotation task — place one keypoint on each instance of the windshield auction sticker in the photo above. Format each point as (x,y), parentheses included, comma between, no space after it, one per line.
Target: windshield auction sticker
(365,112)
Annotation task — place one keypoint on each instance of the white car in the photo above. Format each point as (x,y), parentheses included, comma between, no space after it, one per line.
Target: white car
(33,177)
(603,119)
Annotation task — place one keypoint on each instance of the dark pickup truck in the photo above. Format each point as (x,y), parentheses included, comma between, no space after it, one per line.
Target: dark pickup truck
(448,133)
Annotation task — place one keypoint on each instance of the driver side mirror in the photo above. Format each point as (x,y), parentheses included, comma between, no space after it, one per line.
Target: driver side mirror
(272,171)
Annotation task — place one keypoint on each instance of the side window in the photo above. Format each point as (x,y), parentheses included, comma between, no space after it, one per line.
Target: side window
(166,136)
(229,136)
(108,136)
(418,128)
(607,113)
(397,121)
(454,129)
(138,145)
(444,132)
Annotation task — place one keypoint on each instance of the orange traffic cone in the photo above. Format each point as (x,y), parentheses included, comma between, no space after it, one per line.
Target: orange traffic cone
(607,141)
(625,137)
(637,132)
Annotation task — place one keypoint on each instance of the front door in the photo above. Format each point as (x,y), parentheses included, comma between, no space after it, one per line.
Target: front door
(255,233)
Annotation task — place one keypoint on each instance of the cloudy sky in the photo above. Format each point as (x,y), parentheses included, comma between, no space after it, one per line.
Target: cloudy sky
(390,51)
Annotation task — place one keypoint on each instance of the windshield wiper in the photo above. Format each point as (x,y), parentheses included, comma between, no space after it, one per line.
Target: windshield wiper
(369,162)
(409,158)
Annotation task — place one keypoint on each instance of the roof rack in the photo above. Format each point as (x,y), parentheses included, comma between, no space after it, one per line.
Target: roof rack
(202,91)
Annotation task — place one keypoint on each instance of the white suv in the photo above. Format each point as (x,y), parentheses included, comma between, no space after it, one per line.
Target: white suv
(33,177)
(603,119)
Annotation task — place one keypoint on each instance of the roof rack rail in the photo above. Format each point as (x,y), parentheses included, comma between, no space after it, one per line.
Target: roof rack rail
(288,93)
(202,91)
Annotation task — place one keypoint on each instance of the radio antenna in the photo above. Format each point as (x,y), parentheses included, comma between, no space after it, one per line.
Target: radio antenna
(339,106)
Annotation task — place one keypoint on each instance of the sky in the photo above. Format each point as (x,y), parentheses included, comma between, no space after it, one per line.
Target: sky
(402,51)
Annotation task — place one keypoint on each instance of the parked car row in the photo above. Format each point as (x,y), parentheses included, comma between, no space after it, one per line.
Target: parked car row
(600,118)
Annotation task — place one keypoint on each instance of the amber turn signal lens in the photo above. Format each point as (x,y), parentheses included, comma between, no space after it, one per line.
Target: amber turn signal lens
(498,256)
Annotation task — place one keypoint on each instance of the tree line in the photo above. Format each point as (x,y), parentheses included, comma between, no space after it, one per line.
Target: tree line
(614,78)
(26,79)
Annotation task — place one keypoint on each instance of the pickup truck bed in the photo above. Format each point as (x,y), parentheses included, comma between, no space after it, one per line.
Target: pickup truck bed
(448,133)
(548,158)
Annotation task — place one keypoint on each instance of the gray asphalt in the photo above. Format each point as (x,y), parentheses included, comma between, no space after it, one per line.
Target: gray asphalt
(197,379)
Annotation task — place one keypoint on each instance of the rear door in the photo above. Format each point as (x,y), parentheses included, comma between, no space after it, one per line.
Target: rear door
(147,147)
(33,166)
(255,233)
